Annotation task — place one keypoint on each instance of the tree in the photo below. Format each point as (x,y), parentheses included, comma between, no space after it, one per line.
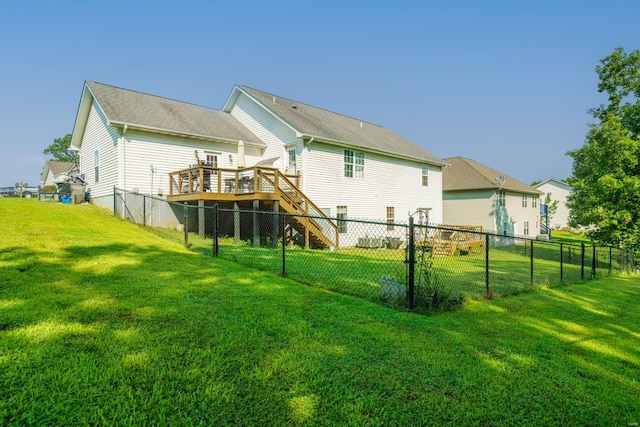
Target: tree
(59,150)
(552,206)
(606,169)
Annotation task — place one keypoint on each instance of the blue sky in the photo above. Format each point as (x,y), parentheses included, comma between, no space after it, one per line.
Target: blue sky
(506,83)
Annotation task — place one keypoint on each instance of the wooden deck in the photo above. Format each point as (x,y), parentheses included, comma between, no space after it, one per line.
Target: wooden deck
(449,239)
(206,184)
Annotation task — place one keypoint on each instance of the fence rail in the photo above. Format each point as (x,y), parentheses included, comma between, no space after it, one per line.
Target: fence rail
(395,264)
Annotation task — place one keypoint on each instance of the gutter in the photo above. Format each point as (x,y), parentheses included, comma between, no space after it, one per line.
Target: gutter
(173,132)
(386,153)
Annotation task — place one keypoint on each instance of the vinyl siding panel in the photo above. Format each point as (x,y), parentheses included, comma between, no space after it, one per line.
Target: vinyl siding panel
(560,193)
(387,182)
(98,135)
(266,127)
(169,154)
(470,208)
(479,208)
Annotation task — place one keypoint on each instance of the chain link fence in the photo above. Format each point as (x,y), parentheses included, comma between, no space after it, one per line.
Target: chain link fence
(418,266)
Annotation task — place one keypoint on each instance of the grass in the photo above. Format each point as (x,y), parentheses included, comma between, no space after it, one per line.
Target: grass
(358,271)
(103,322)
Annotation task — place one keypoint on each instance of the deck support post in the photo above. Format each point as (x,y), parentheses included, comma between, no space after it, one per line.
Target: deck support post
(236,223)
(276,223)
(201,218)
(256,223)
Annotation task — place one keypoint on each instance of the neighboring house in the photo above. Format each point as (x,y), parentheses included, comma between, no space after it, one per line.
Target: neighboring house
(559,190)
(475,194)
(54,169)
(348,168)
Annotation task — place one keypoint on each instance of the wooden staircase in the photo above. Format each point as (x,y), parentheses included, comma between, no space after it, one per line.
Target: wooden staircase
(307,219)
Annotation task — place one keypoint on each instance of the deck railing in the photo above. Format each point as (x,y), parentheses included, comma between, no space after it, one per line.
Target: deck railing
(205,180)
(209,179)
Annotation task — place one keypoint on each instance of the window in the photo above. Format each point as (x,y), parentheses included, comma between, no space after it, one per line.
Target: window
(525,199)
(501,198)
(342,215)
(292,167)
(390,218)
(534,202)
(211,159)
(425,176)
(96,166)
(526,228)
(353,164)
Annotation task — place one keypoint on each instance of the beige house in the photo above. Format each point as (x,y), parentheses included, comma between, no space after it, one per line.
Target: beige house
(476,194)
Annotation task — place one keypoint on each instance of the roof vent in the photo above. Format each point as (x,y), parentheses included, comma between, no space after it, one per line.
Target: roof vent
(294,106)
(274,99)
(360,125)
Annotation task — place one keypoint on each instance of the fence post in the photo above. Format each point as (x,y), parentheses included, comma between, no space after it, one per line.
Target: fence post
(593,262)
(582,261)
(215,231)
(531,269)
(186,225)
(144,210)
(284,244)
(412,261)
(610,262)
(114,201)
(561,264)
(486,265)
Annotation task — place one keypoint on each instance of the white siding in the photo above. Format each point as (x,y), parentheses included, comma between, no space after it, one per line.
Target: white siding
(560,193)
(480,208)
(99,136)
(169,154)
(266,127)
(387,182)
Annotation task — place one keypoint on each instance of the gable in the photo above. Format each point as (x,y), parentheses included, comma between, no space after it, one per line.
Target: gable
(136,110)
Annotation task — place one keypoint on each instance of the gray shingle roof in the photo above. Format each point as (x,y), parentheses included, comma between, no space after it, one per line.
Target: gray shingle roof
(467,174)
(332,127)
(152,112)
(58,168)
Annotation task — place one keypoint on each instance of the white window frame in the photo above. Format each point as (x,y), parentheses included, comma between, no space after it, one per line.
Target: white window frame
(96,166)
(341,215)
(353,164)
(425,176)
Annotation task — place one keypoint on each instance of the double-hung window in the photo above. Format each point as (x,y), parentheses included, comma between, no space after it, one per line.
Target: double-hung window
(425,176)
(391,218)
(502,198)
(341,214)
(96,166)
(525,198)
(526,228)
(353,164)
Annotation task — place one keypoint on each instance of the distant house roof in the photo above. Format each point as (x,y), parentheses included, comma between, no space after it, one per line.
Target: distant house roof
(555,181)
(323,125)
(153,113)
(58,168)
(466,174)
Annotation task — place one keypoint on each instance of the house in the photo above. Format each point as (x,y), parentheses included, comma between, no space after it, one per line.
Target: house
(340,166)
(53,169)
(559,190)
(476,194)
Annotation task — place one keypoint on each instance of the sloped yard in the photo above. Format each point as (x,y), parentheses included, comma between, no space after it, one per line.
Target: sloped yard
(103,322)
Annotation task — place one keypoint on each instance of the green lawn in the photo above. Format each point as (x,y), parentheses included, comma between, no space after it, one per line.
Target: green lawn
(103,322)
